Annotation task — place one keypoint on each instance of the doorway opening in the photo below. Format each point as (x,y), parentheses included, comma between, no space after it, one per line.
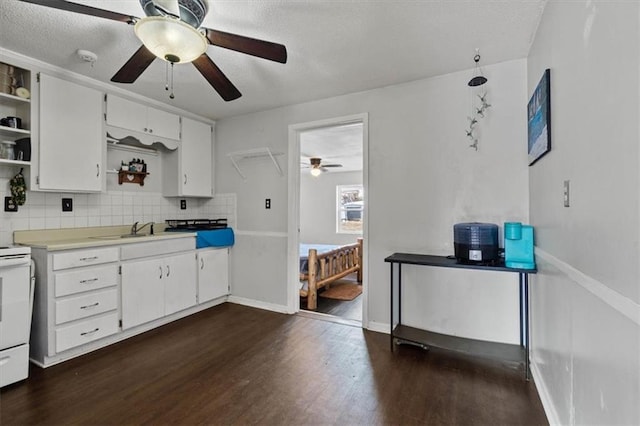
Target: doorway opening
(328,206)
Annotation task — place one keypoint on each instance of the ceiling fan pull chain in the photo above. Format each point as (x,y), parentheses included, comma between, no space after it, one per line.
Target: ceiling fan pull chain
(171,96)
(166,76)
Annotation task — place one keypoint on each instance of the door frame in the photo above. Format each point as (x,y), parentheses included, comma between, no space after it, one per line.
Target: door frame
(293,256)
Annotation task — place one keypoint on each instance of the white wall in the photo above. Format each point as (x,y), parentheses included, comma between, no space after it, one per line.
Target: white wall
(586,317)
(423,178)
(318,207)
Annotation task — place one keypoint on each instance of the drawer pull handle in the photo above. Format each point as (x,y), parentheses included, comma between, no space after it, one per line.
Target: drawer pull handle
(87,259)
(90,306)
(90,332)
(90,280)
(160,271)
(168,270)
(185,178)
(201,263)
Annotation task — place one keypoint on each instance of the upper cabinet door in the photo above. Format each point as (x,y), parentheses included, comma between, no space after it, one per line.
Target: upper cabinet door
(126,114)
(141,118)
(163,124)
(71,137)
(196,162)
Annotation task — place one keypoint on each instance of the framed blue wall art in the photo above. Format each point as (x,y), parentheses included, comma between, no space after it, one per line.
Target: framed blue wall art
(539,119)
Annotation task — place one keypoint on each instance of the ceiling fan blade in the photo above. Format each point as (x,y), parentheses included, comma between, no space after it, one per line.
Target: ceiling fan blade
(216,78)
(135,66)
(332,165)
(251,46)
(85,10)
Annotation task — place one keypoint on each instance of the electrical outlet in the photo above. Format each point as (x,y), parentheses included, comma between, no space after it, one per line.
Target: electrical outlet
(67,204)
(566,193)
(9,205)
(183,204)
(267,203)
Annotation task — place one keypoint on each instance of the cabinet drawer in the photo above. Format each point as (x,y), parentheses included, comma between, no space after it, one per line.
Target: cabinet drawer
(86,305)
(75,259)
(67,283)
(86,331)
(14,364)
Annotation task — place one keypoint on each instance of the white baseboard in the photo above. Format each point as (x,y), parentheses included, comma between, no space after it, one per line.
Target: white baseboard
(378,327)
(283,309)
(545,397)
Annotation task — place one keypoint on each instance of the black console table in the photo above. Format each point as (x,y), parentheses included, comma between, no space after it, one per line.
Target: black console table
(402,333)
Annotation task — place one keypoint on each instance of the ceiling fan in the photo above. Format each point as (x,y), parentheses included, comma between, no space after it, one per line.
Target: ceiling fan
(171,31)
(316,166)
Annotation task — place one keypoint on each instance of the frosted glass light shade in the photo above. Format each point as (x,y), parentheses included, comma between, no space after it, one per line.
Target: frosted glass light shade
(170,39)
(315,172)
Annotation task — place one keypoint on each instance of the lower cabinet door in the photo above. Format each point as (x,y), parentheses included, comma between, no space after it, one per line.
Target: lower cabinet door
(79,333)
(142,291)
(213,274)
(179,283)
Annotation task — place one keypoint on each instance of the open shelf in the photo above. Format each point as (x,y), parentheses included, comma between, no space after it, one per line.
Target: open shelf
(503,351)
(131,177)
(15,163)
(7,99)
(13,132)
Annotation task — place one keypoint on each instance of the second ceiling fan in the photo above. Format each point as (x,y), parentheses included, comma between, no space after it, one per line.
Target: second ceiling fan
(172,31)
(316,166)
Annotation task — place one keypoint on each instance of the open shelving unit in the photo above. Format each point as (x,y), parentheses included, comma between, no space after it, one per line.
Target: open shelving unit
(16,106)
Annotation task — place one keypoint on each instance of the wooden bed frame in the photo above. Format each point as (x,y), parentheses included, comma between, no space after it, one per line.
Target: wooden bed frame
(324,269)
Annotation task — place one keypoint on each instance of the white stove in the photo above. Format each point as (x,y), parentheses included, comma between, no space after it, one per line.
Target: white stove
(14,251)
(16,302)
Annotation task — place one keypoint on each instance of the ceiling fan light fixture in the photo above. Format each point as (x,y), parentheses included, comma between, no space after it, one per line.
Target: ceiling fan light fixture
(170,39)
(315,171)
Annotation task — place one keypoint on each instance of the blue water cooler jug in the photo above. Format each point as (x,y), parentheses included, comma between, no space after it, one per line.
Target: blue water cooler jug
(518,246)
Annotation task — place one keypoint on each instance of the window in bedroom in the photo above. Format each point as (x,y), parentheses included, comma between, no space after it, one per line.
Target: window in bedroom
(350,209)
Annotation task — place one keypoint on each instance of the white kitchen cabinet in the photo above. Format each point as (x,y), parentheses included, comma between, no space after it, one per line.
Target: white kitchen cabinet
(90,297)
(157,286)
(188,171)
(76,299)
(213,273)
(180,283)
(71,137)
(142,292)
(141,118)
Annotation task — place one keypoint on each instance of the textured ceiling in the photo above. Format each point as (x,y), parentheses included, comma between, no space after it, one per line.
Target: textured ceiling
(334,47)
(333,145)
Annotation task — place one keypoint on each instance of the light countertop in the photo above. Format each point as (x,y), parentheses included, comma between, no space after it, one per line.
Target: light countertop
(76,238)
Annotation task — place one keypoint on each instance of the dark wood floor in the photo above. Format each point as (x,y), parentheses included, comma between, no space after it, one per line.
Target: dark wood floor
(345,309)
(237,365)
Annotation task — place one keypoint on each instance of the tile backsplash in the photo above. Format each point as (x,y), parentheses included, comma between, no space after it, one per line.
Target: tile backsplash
(44,210)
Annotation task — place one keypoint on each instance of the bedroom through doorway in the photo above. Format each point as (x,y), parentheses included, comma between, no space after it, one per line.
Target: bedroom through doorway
(332,210)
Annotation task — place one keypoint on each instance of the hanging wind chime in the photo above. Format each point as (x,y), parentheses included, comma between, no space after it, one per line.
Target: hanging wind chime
(480,105)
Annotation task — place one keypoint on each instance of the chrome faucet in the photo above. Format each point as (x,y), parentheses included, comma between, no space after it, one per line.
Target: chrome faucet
(135,229)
